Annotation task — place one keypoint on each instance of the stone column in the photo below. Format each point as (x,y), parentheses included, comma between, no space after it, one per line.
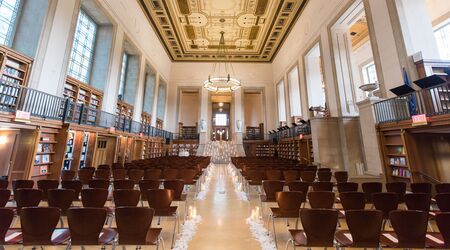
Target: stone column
(373,158)
(155,99)
(204,121)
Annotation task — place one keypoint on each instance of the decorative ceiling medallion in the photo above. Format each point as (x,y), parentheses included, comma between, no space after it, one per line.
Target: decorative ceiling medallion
(190,29)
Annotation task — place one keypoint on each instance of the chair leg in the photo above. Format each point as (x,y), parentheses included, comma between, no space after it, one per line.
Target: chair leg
(274,233)
(61,221)
(174,228)
(268,223)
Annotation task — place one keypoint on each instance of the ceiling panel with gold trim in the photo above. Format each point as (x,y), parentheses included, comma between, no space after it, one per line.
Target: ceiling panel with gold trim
(254,29)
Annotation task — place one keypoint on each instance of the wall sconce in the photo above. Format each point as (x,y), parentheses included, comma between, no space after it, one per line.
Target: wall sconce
(3,140)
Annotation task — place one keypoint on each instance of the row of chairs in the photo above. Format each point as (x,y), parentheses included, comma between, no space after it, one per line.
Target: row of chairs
(365,230)
(158,199)
(85,227)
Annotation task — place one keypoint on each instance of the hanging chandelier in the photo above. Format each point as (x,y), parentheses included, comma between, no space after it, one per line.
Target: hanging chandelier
(220,79)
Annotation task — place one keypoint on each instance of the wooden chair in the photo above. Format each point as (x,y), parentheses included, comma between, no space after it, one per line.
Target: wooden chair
(352,200)
(443,202)
(347,187)
(443,223)
(132,233)
(86,227)
(94,197)
(99,183)
(27,197)
(45,185)
(5,194)
(170,174)
(301,187)
(152,174)
(370,188)
(442,188)
(123,184)
(4,184)
(322,186)
(67,175)
(119,174)
(62,199)
(75,185)
(364,228)
(399,188)
(421,187)
(308,176)
(38,225)
(410,229)
(289,204)
(321,199)
(385,202)
(126,197)
(16,184)
(135,175)
(85,175)
(6,218)
(145,185)
(102,174)
(270,188)
(313,234)
(290,175)
(324,176)
(418,201)
(341,176)
(160,200)
(273,175)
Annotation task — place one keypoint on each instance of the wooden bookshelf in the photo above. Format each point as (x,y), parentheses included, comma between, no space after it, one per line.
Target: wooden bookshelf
(265,150)
(159,123)
(395,156)
(146,119)
(183,145)
(124,110)
(14,72)
(79,92)
(153,148)
(255,133)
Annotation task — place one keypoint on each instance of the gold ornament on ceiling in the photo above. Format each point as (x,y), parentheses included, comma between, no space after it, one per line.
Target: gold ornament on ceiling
(190,29)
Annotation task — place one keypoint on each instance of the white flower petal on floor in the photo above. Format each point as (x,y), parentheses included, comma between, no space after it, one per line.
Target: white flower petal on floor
(235,176)
(260,233)
(204,187)
(188,230)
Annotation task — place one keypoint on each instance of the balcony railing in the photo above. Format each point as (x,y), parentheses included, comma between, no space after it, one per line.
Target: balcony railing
(303,129)
(431,102)
(46,106)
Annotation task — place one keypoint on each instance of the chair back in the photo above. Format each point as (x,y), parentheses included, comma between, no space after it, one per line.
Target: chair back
(421,187)
(160,199)
(176,185)
(123,184)
(410,227)
(6,217)
(418,201)
(319,235)
(385,202)
(16,184)
(352,200)
(130,232)
(290,175)
(38,224)
(341,176)
(442,188)
(299,186)
(126,197)
(289,202)
(67,175)
(102,174)
(443,223)
(75,185)
(324,176)
(27,197)
(94,197)
(119,174)
(273,175)
(117,165)
(136,175)
(4,184)
(152,174)
(308,176)
(61,198)
(321,199)
(257,176)
(85,225)
(323,185)
(145,185)
(370,188)
(397,187)
(99,183)
(365,227)
(347,187)
(188,175)
(443,202)
(170,174)
(5,194)
(271,187)
(103,166)
(45,185)
(85,175)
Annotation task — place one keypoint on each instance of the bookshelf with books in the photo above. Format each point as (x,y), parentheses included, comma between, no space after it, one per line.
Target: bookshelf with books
(68,156)
(79,92)
(146,119)
(265,150)
(14,72)
(395,156)
(124,110)
(159,123)
(306,153)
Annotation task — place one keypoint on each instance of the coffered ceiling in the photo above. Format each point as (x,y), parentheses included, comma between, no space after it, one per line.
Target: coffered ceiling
(254,29)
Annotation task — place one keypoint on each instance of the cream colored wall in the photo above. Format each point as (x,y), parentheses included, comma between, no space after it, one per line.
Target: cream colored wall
(194,74)
(439,10)
(253,109)
(189,108)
